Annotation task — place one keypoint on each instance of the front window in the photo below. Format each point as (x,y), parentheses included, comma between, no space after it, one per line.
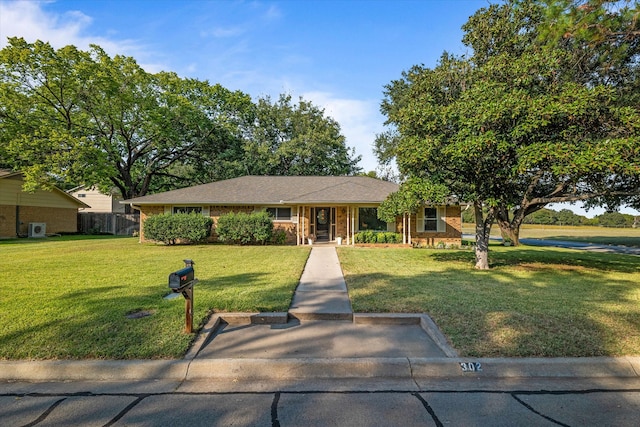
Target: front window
(368,220)
(187,209)
(280,214)
(430,219)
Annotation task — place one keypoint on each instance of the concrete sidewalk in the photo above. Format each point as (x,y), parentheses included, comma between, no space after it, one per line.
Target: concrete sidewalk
(322,292)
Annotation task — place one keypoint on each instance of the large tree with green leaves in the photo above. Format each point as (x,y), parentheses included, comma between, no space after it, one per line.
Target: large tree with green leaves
(69,116)
(296,139)
(509,128)
(84,117)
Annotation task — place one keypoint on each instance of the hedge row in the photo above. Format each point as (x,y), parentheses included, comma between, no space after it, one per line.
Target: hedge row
(168,228)
(378,237)
(245,229)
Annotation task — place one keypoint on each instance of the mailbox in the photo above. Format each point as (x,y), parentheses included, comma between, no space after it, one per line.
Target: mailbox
(181,278)
(183,281)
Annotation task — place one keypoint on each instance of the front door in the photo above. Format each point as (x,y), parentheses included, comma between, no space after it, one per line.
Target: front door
(323,221)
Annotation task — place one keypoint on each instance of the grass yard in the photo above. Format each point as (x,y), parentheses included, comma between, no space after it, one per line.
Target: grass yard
(598,235)
(534,302)
(69,297)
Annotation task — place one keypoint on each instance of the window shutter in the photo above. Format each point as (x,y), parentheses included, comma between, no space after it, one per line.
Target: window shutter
(391,226)
(420,220)
(442,219)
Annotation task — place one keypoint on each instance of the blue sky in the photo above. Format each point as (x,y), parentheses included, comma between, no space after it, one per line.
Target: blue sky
(339,54)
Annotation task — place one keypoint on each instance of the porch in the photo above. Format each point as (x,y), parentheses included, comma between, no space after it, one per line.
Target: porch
(337,224)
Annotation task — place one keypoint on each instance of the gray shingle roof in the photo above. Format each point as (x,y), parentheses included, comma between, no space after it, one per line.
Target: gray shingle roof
(265,190)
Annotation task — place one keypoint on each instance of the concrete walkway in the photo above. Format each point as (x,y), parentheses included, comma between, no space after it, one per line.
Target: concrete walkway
(322,292)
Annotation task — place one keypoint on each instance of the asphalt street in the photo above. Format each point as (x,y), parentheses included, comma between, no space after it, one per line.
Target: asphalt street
(443,402)
(582,246)
(572,245)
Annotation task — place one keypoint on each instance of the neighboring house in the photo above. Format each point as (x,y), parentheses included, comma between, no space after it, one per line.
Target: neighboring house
(35,214)
(323,208)
(99,202)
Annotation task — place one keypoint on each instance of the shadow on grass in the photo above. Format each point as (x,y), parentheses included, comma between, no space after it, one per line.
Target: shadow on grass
(63,238)
(528,305)
(92,322)
(516,257)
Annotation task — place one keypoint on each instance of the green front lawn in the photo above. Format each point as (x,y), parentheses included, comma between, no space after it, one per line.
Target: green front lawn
(534,302)
(69,297)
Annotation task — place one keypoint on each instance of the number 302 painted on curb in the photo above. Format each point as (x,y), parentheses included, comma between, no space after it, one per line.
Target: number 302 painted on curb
(471,366)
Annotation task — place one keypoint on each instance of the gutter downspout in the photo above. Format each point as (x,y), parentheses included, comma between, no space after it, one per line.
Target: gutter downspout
(139,226)
(18,221)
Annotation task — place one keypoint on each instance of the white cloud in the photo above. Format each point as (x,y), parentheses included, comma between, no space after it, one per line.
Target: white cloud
(28,20)
(222,32)
(359,121)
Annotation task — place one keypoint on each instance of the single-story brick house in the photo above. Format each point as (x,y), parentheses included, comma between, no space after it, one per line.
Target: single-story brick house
(35,214)
(324,208)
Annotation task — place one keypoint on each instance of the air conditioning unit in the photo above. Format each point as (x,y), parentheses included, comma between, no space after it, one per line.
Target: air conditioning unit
(37,229)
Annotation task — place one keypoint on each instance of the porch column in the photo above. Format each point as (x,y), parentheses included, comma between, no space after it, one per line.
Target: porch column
(409,228)
(353,226)
(302,232)
(404,228)
(298,227)
(348,236)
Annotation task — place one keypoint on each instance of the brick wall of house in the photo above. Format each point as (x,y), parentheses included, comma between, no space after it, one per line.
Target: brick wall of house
(452,236)
(57,220)
(341,222)
(7,221)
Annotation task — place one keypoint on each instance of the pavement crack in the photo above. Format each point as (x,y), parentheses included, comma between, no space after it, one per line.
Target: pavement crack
(532,409)
(122,413)
(429,409)
(413,378)
(274,410)
(46,413)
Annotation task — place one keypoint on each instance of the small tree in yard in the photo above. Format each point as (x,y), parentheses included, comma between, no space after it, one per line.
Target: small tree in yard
(167,228)
(245,229)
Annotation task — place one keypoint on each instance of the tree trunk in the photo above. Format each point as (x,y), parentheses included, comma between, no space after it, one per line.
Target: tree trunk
(483,230)
(510,227)
(509,230)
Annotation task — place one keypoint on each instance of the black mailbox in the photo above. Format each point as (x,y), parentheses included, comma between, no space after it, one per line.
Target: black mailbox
(181,278)
(183,281)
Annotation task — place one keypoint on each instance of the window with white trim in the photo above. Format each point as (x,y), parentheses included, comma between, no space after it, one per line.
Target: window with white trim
(432,219)
(187,209)
(368,220)
(280,213)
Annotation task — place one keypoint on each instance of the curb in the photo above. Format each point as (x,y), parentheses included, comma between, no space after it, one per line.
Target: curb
(92,370)
(192,368)
(308,368)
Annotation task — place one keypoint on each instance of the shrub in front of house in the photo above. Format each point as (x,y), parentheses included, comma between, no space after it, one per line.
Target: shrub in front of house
(167,228)
(279,237)
(241,228)
(378,237)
